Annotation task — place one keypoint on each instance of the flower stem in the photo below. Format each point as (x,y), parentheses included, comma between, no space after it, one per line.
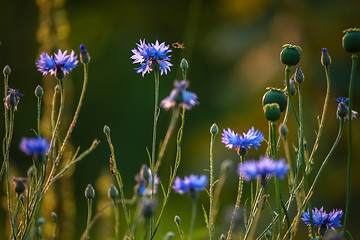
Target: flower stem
(302,160)
(237,203)
(287,78)
(354,59)
(193,216)
(88,218)
(38,116)
(322,121)
(117,221)
(6,81)
(211,210)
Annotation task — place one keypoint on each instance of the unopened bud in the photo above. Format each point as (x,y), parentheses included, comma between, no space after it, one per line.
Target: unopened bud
(325,58)
(283,129)
(54,216)
(39,91)
(177,220)
(106,129)
(57,88)
(299,76)
(184,64)
(7,70)
(84,55)
(40,222)
(214,129)
(113,192)
(89,192)
(226,166)
(169,235)
(222,237)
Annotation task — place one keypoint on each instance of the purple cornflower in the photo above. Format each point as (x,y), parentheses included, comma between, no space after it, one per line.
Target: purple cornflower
(180,97)
(12,99)
(265,167)
(61,61)
(151,56)
(35,146)
(323,219)
(343,109)
(234,140)
(144,181)
(190,184)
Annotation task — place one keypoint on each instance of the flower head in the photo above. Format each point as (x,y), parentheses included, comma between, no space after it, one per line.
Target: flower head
(180,97)
(151,56)
(12,99)
(190,184)
(323,219)
(35,147)
(20,184)
(144,181)
(59,61)
(234,140)
(343,109)
(266,167)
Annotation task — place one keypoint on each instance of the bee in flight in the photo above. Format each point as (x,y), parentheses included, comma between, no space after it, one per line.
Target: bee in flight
(178,45)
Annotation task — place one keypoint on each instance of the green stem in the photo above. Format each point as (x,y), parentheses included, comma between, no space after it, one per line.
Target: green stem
(354,59)
(88,218)
(76,115)
(7,166)
(211,210)
(174,117)
(38,116)
(173,174)
(120,185)
(117,221)
(193,215)
(287,78)
(153,149)
(322,121)
(6,113)
(284,123)
(302,160)
(237,203)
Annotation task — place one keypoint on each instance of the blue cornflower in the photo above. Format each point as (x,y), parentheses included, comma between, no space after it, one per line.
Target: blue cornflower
(62,61)
(12,99)
(190,184)
(180,97)
(152,56)
(234,140)
(35,146)
(323,219)
(265,167)
(343,109)
(144,181)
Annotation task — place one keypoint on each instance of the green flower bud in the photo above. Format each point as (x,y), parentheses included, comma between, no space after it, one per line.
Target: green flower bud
(54,216)
(40,222)
(268,234)
(20,184)
(89,192)
(126,238)
(272,112)
(7,70)
(177,220)
(292,89)
(113,192)
(169,235)
(21,197)
(325,57)
(214,129)
(226,166)
(57,88)
(299,76)
(275,95)
(290,55)
(106,129)
(222,237)
(31,172)
(184,64)
(84,55)
(283,130)
(39,91)
(147,206)
(351,40)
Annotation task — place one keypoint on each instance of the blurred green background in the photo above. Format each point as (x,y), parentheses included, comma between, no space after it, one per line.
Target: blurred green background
(233,50)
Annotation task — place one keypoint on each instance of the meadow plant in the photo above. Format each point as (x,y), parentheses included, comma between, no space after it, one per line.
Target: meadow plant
(143,212)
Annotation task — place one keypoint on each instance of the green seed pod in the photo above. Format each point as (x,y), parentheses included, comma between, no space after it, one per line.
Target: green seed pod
(89,192)
(272,112)
(113,192)
(184,64)
(39,91)
(275,95)
(214,129)
(351,40)
(290,55)
(7,70)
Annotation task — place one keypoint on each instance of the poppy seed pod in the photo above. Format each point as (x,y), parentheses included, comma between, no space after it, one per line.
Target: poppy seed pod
(290,55)
(272,112)
(351,40)
(275,95)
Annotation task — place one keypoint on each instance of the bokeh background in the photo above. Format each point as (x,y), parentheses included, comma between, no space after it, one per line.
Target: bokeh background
(233,50)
